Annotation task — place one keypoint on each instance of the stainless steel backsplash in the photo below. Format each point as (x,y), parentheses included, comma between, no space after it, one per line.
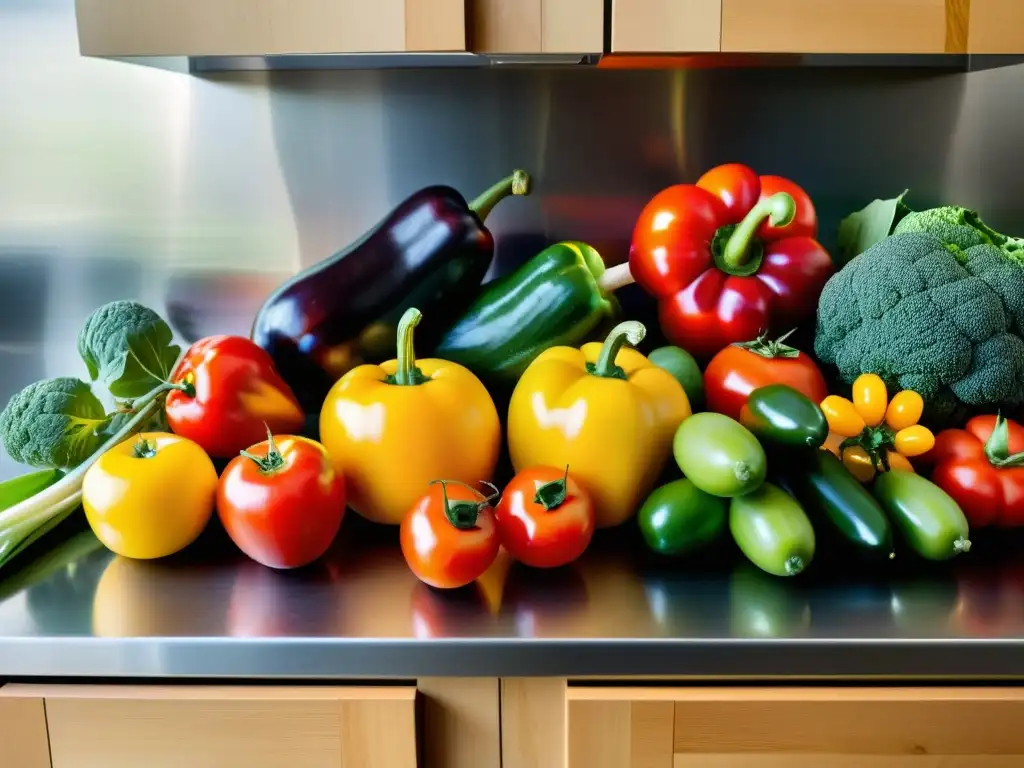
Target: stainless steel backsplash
(196,196)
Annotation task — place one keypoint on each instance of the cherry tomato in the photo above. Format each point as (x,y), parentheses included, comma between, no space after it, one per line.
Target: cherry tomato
(735,372)
(544,518)
(231,393)
(449,537)
(842,416)
(904,410)
(282,501)
(870,398)
(150,496)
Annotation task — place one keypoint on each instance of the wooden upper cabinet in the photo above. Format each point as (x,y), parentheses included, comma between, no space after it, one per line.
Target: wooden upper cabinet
(536,26)
(845,26)
(997,26)
(784,727)
(666,26)
(266,27)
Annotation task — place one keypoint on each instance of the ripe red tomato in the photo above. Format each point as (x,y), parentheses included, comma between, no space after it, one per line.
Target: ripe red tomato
(983,474)
(282,501)
(739,369)
(544,518)
(449,538)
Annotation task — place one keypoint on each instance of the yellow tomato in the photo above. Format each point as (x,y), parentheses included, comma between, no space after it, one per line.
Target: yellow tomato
(896,461)
(859,463)
(150,496)
(869,398)
(915,440)
(905,410)
(841,416)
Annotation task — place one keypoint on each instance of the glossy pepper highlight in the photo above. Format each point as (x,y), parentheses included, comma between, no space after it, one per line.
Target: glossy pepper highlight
(392,428)
(604,410)
(431,252)
(730,257)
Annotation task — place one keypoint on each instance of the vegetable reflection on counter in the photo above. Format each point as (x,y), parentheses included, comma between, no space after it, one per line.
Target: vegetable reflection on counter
(606,412)
(431,252)
(392,429)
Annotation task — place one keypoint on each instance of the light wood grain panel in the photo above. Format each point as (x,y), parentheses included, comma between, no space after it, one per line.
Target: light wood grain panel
(997,26)
(533,728)
(461,722)
(655,26)
(851,721)
(572,26)
(255,27)
(506,26)
(842,26)
(620,733)
(23,740)
(217,726)
(846,761)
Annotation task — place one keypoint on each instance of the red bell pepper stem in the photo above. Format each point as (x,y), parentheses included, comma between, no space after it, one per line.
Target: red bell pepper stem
(997,447)
(779,209)
(518,183)
(630,331)
(407,374)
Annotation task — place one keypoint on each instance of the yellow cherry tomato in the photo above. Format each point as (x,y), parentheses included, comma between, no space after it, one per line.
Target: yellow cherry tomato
(913,441)
(832,443)
(859,463)
(904,410)
(841,416)
(150,496)
(870,398)
(896,461)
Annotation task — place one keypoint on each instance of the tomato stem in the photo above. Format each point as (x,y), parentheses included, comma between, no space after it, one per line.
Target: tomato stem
(463,513)
(270,463)
(144,449)
(770,349)
(407,374)
(876,442)
(779,209)
(552,495)
(629,331)
(997,447)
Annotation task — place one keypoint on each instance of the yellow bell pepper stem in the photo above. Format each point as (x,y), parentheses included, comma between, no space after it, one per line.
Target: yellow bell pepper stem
(407,374)
(630,331)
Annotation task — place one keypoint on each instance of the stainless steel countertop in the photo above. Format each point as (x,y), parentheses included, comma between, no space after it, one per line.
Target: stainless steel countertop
(81,612)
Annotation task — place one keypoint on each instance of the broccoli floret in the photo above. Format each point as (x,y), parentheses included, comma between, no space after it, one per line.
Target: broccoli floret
(927,319)
(961,228)
(53,423)
(128,346)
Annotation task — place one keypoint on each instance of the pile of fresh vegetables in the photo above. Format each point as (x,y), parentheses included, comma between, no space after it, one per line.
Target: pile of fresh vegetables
(921,327)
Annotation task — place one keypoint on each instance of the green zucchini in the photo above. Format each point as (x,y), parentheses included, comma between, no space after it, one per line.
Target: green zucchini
(831,494)
(930,521)
(772,530)
(783,416)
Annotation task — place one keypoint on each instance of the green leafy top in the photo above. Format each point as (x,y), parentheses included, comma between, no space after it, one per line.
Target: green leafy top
(53,423)
(870,225)
(128,347)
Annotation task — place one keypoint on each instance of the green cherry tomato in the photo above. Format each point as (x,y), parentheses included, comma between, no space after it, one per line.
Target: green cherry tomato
(682,365)
(783,416)
(771,529)
(720,455)
(679,517)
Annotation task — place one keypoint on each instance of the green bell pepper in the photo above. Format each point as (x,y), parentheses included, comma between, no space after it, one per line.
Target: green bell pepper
(553,299)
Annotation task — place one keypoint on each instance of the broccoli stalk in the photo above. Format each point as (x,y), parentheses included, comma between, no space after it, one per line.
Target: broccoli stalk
(26,521)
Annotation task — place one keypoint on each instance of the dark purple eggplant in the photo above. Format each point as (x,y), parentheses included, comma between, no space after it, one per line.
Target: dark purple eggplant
(431,252)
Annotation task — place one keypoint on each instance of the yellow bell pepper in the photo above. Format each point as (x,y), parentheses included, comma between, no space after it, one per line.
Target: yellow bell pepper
(872,434)
(605,411)
(392,428)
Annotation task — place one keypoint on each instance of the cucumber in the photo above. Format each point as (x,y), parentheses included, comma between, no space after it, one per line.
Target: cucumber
(771,529)
(781,415)
(829,493)
(930,521)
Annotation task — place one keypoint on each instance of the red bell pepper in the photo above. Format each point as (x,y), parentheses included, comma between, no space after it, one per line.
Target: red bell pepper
(730,257)
(232,396)
(982,467)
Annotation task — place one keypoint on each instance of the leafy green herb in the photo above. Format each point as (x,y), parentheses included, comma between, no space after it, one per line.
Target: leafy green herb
(128,347)
(870,225)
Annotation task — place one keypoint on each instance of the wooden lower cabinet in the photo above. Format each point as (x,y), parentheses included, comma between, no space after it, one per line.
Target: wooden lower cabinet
(184,726)
(789,727)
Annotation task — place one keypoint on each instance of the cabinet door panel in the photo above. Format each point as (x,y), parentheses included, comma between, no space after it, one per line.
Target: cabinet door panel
(23,741)
(997,26)
(795,727)
(218,727)
(666,26)
(845,26)
(537,26)
(258,27)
